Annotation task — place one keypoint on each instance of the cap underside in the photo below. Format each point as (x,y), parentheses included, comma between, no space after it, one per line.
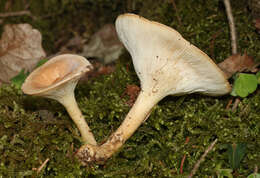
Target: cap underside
(161,56)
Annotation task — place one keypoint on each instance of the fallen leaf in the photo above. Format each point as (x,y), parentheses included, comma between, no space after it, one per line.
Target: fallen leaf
(99,69)
(104,45)
(104,70)
(74,45)
(132,91)
(237,63)
(257,24)
(20,48)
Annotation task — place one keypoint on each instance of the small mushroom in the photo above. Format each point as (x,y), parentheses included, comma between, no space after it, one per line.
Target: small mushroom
(57,79)
(166,64)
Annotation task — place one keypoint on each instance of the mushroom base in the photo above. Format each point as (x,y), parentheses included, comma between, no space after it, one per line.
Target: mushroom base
(98,154)
(136,116)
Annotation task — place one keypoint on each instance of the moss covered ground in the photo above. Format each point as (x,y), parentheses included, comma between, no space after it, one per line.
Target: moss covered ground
(34,129)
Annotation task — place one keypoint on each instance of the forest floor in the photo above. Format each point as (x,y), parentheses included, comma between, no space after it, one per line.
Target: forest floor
(38,139)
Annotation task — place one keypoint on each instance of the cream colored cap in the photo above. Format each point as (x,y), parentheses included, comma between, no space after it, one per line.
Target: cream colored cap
(54,73)
(167,63)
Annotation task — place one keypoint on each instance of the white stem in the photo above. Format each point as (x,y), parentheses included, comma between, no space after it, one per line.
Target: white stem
(72,108)
(136,116)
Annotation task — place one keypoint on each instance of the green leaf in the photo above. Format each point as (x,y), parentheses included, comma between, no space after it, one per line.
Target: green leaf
(233,92)
(18,80)
(258,77)
(254,175)
(221,173)
(236,152)
(41,62)
(245,84)
(225,173)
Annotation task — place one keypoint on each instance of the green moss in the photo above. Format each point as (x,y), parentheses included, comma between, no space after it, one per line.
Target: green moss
(156,149)
(28,137)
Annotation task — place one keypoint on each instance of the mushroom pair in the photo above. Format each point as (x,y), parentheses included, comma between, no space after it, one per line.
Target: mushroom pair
(165,63)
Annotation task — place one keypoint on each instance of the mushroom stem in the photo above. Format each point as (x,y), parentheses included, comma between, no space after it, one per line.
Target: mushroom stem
(72,108)
(135,117)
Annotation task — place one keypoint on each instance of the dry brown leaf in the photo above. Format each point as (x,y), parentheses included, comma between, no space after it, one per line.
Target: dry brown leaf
(257,24)
(99,69)
(74,45)
(237,63)
(132,91)
(104,45)
(104,70)
(20,48)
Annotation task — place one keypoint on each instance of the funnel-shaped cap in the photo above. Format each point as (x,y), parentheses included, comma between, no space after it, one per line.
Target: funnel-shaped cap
(57,79)
(165,62)
(57,76)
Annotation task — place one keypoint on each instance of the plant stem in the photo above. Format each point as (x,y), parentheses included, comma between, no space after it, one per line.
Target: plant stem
(231,26)
(18,13)
(72,108)
(202,158)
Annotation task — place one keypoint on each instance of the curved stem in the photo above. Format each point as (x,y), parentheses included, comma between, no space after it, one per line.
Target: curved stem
(72,108)
(136,116)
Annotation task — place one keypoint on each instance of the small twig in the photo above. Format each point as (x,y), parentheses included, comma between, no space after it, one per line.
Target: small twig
(184,156)
(212,43)
(129,5)
(187,140)
(18,13)
(43,164)
(177,12)
(27,4)
(237,101)
(182,163)
(256,169)
(231,26)
(244,111)
(195,168)
(229,104)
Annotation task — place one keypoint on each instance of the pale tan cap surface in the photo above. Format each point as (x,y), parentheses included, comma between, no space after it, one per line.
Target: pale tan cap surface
(54,73)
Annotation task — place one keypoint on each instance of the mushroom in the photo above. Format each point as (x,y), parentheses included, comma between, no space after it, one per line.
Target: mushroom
(57,79)
(166,64)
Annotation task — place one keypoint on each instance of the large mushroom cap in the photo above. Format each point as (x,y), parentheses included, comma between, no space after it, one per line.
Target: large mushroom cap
(164,61)
(54,73)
